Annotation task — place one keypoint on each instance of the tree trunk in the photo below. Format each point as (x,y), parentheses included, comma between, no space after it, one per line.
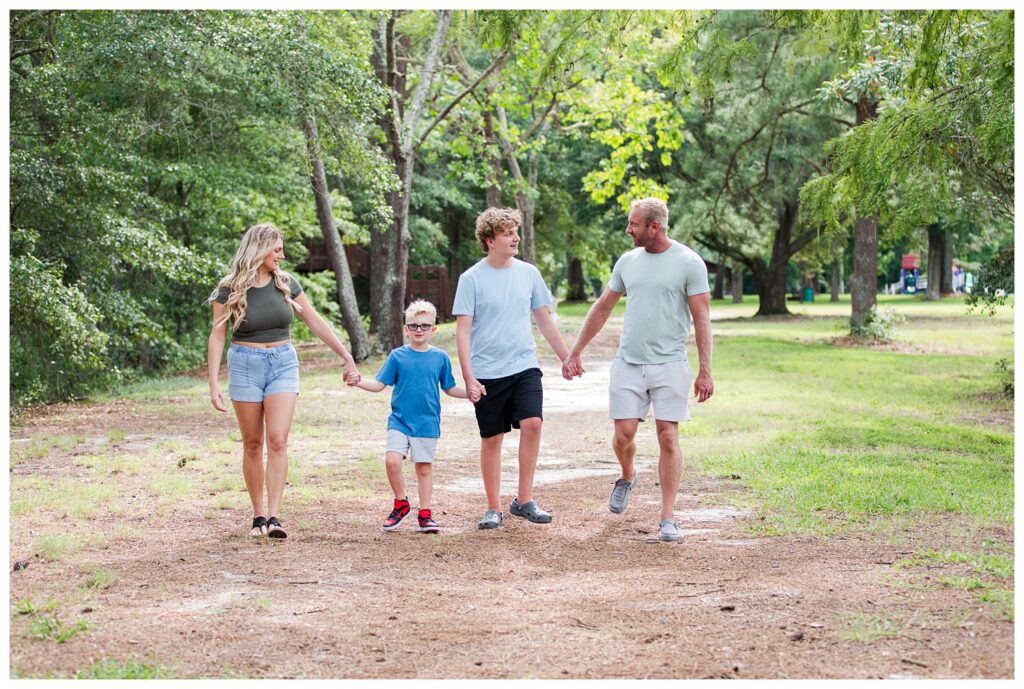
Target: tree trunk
(835,281)
(719,291)
(493,194)
(577,286)
(389,246)
(389,262)
(771,279)
(350,319)
(946,285)
(737,283)
(457,221)
(936,240)
(771,288)
(525,188)
(529,210)
(864,280)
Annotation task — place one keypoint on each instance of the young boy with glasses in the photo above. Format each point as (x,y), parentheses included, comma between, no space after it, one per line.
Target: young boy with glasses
(414,370)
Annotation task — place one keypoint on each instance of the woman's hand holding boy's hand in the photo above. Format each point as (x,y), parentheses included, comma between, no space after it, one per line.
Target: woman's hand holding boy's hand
(352,376)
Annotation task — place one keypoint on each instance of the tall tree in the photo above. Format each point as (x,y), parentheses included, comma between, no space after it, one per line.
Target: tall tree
(757,138)
(944,134)
(404,134)
(315,66)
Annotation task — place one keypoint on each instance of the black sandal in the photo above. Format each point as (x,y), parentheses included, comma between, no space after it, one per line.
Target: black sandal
(274,529)
(258,523)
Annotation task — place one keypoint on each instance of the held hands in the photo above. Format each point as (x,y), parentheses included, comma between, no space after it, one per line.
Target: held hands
(217,398)
(703,387)
(572,366)
(475,390)
(352,376)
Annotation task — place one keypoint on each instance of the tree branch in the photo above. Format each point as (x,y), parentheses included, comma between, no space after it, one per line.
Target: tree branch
(23,20)
(498,62)
(814,165)
(419,98)
(30,51)
(801,241)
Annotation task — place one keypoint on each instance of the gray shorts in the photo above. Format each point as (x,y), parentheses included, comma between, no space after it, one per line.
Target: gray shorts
(633,387)
(419,450)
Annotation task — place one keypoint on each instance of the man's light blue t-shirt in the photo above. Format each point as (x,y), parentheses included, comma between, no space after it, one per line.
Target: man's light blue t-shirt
(500,300)
(415,400)
(658,317)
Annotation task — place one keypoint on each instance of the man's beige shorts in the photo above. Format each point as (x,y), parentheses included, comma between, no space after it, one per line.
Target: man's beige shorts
(634,387)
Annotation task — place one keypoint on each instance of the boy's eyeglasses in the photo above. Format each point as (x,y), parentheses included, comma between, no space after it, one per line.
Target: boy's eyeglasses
(421,327)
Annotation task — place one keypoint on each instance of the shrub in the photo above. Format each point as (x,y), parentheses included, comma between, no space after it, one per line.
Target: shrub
(877,324)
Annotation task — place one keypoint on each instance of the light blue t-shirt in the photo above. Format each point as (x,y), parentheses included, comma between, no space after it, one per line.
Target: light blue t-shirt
(500,300)
(415,400)
(658,318)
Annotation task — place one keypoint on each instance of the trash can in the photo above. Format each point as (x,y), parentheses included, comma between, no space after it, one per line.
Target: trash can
(808,294)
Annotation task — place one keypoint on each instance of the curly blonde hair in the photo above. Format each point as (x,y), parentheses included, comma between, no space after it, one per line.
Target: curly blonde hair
(495,220)
(257,242)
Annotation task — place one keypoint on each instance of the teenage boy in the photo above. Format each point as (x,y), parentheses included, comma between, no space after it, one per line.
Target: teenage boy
(498,355)
(415,370)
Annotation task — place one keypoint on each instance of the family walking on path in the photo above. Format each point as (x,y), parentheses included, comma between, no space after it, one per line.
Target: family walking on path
(666,288)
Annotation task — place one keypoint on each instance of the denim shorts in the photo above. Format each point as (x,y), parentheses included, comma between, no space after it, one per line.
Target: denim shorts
(257,373)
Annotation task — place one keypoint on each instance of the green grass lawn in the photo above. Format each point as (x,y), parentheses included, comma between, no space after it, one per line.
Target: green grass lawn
(827,436)
(831,438)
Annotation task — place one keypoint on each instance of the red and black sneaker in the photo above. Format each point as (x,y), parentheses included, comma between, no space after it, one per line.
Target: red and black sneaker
(397,515)
(427,523)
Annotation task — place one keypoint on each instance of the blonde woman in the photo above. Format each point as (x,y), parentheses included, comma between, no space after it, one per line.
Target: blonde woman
(258,298)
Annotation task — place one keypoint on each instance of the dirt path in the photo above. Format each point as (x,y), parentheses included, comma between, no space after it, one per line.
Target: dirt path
(592,595)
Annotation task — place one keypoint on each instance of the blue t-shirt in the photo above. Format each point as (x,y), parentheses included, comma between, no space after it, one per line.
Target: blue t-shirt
(415,400)
(500,300)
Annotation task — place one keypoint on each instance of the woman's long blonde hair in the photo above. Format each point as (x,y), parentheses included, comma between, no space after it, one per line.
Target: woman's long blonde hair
(257,242)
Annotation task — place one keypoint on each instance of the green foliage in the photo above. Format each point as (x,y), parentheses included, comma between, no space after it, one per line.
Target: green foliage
(944,134)
(321,291)
(877,324)
(628,111)
(995,282)
(142,143)
(1004,371)
(51,627)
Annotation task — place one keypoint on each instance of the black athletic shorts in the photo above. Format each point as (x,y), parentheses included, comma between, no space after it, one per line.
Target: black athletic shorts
(509,399)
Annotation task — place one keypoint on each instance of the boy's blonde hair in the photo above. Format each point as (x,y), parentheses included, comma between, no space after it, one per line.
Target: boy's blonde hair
(495,220)
(420,306)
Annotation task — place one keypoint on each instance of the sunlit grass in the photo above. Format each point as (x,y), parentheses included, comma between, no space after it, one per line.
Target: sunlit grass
(866,628)
(170,488)
(42,445)
(129,669)
(67,498)
(828,434)
(55,546)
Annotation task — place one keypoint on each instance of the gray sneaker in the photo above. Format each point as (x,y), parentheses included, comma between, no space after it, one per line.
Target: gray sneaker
(492,520)
(619,498)
(668,531)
